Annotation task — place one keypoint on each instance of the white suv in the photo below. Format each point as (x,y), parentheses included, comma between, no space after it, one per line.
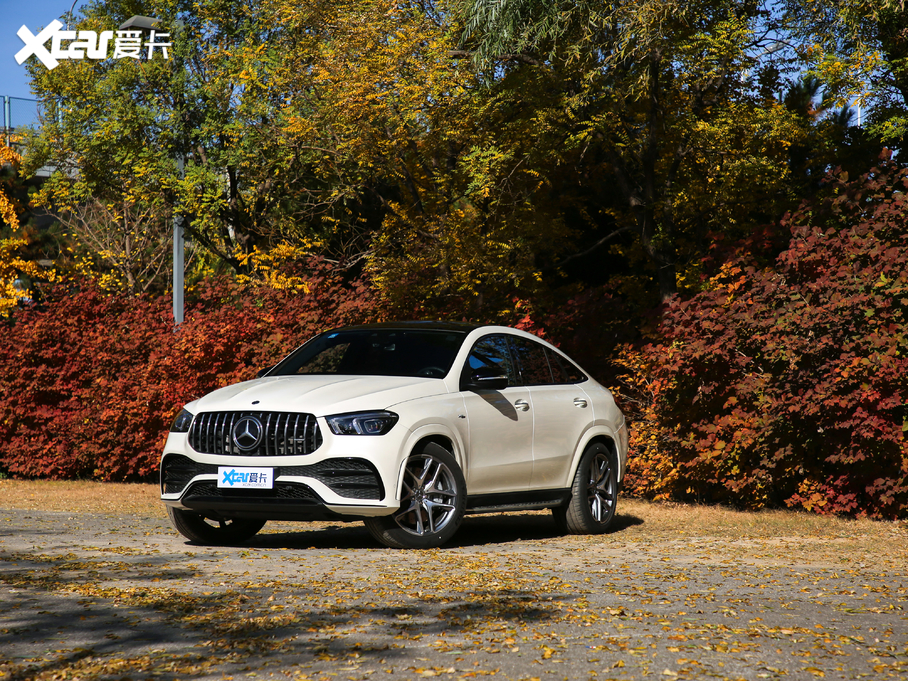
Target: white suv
(406,426)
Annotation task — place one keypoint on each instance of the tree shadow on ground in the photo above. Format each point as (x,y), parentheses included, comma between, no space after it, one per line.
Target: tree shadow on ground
(64,624)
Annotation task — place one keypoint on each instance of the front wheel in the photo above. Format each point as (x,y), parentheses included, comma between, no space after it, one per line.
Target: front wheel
(594,493)
(432,502)
(202,530)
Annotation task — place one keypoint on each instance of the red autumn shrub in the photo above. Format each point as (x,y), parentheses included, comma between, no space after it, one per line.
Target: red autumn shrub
(90,383)
(788,385)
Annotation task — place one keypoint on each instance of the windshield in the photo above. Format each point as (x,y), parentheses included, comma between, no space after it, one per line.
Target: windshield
(375,352)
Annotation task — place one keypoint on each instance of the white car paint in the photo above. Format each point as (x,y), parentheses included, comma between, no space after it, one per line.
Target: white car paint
(518,439)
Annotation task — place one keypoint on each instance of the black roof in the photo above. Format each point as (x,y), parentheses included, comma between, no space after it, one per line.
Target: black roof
(462,327)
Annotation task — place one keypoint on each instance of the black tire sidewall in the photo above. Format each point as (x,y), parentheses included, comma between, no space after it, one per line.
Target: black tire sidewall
(386,530)
(193,526)
(579,516)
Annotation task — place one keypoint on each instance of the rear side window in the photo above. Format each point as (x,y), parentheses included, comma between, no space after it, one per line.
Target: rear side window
(564,371)
(531,359)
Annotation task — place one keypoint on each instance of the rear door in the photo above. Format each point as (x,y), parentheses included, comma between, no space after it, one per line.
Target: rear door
(562,411)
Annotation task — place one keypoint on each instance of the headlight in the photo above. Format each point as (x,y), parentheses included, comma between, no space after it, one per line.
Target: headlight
(182,422)
(362,423)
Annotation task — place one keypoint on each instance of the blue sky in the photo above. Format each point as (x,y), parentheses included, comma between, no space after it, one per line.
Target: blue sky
(33,14)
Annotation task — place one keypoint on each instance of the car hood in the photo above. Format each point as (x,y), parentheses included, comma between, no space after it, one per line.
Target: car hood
(319,395)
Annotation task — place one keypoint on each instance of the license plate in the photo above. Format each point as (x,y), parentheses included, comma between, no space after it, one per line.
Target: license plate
(245,478)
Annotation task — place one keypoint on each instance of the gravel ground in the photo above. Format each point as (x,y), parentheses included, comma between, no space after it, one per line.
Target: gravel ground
(90,595)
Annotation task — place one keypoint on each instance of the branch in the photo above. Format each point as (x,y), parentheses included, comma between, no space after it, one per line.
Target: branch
(469,54)
(589,250)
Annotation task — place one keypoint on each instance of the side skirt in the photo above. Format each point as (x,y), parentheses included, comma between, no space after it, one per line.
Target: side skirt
(517,501)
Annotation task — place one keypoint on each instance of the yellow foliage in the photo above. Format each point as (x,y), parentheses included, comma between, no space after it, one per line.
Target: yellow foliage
(8,209)
(638,395)
(394,106)
(12,267)
(269,267)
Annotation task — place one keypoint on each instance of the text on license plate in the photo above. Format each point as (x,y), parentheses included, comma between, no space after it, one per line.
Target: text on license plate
(245,478)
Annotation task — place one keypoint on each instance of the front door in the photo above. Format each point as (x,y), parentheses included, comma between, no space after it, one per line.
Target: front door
(500,425)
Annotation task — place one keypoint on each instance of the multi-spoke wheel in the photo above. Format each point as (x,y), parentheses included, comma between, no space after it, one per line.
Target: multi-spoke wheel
(594,494)
(202,530)
(431,504)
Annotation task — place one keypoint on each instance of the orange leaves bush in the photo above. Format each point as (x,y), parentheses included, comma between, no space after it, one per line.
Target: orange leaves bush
(788,384)
(91,382)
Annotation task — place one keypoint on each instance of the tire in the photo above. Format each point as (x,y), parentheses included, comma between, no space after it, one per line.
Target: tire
(202,530)
(432,502)
(594,493)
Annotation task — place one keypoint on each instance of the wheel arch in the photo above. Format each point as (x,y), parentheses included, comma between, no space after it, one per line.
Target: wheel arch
(441,439)
(599,437)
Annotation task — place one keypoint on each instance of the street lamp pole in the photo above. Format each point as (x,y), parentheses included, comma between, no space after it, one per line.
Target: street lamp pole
(179,251)
(146,24)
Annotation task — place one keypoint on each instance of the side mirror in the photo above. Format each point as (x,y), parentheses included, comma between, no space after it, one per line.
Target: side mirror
(487,378)
(263,372)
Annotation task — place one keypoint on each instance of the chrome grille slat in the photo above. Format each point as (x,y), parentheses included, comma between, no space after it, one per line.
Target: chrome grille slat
(285,434)
(313,431)
(208,437)
(229,446)
(267,439)
(296,429)
(286,442)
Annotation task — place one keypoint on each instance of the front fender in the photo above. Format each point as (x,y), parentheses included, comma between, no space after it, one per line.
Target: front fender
(451,438)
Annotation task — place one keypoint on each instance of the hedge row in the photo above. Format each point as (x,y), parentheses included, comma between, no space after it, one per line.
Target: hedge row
(777,385)
(789,384)
(90,382)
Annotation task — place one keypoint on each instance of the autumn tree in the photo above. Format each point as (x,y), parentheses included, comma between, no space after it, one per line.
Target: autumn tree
(407,144)
(858,49)
(143,140)
(786,383)
(670,112)
(16,265)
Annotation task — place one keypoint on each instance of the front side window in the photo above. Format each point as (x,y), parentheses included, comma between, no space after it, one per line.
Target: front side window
(491,352)
(375,352)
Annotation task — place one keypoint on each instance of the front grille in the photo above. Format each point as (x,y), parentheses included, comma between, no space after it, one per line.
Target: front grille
(350,478)
(282,434)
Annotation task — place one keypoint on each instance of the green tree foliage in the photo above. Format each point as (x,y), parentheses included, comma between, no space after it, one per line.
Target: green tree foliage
(346,126)
(118,130)
(670,111)
(859,50)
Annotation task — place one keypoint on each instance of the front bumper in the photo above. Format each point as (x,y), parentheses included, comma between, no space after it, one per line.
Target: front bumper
(334,482)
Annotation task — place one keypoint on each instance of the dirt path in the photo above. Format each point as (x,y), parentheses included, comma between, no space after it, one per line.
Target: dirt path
(674,593)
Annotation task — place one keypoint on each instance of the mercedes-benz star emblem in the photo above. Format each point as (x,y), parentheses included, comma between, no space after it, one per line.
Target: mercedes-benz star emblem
(247,433)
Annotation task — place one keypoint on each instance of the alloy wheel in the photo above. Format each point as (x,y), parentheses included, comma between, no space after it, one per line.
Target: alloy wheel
(430,492)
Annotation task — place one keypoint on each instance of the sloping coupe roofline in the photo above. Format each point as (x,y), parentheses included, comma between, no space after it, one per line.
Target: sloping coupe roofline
(461,327)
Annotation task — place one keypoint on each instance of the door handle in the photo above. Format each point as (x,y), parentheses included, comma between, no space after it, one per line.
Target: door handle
(522,405)
(579,402)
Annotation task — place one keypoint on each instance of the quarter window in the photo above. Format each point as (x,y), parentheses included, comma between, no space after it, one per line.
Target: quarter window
(563,370)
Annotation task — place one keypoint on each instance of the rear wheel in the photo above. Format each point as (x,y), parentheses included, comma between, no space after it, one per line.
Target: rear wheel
(594,493)
(202,530)
(431,506)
